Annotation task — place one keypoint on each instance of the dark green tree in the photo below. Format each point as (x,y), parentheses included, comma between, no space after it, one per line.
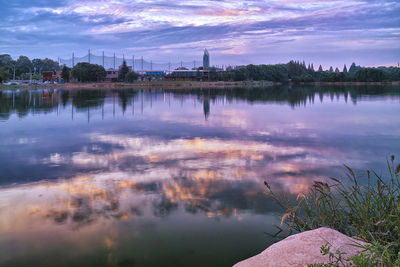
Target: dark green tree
(4,74)
(65,73)
(372,75)
(123,71)
(331,69)
(5,60)
(320,69)
(23,65)
(353,69)
(45,65)
(345,69)
(131,76)
(86,72)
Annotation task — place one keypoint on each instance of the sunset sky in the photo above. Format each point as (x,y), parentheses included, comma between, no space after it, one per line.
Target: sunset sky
(235,32)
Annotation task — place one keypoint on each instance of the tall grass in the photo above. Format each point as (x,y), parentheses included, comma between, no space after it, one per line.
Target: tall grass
(368,209)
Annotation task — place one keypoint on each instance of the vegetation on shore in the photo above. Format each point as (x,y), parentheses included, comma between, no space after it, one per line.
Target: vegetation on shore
(294,71)
(298,72)
(367,209)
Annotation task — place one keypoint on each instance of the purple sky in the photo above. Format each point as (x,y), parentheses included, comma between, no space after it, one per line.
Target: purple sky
(235,32)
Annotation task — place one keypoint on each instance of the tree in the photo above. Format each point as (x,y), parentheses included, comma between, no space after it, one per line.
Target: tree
(337,70)
(353,69)
(23,65)
(123,71)
(331,69)
(8,66)
(4,74)
(86,72)
(320,68)
(372,75)
(65,73)
(345,69)
(5,60)
(131,77)
(45,65)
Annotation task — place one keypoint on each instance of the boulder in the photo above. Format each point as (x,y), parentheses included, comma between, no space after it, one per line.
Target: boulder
(304,248)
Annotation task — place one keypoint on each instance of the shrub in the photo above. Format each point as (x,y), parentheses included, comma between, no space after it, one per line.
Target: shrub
(131,77)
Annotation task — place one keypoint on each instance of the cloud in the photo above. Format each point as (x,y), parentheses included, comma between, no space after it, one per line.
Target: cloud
(235,32)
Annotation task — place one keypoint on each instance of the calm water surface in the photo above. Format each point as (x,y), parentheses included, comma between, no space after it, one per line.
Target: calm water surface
(173,178)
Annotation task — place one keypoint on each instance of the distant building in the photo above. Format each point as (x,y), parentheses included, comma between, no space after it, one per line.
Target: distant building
(183,74)
(206,60)
(112,75)
(47,75)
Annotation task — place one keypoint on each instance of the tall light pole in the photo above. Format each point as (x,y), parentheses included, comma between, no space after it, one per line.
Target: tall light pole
(13,66)
(30,76)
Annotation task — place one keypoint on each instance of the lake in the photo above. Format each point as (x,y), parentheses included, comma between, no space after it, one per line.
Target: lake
(174,177)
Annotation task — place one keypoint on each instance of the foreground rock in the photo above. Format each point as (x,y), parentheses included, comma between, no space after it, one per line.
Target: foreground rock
(304,248)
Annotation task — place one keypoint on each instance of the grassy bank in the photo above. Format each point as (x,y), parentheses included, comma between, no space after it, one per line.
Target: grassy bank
(367,208)
(147,84)
(177,85)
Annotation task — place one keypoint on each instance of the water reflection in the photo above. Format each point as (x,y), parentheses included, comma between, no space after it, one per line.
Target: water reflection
(172,178)
(24,102)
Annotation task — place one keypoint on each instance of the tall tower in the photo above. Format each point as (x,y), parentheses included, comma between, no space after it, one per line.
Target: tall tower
(206,60)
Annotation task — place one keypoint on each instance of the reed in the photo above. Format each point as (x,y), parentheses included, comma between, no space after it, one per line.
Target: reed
(365,207)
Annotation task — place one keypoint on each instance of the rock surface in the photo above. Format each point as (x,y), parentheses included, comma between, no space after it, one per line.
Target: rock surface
(304,248)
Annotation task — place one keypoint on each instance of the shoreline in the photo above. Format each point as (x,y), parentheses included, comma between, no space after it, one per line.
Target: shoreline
(180,85)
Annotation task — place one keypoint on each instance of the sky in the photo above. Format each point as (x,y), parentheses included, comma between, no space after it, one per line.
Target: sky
(333,32)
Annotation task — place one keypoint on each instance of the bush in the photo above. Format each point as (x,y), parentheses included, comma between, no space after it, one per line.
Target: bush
(131,77)
(369,211)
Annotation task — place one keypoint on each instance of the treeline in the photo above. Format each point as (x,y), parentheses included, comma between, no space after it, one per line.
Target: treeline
(18,69)
(86,72)
(298,72)
(23,67)
(22,102)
